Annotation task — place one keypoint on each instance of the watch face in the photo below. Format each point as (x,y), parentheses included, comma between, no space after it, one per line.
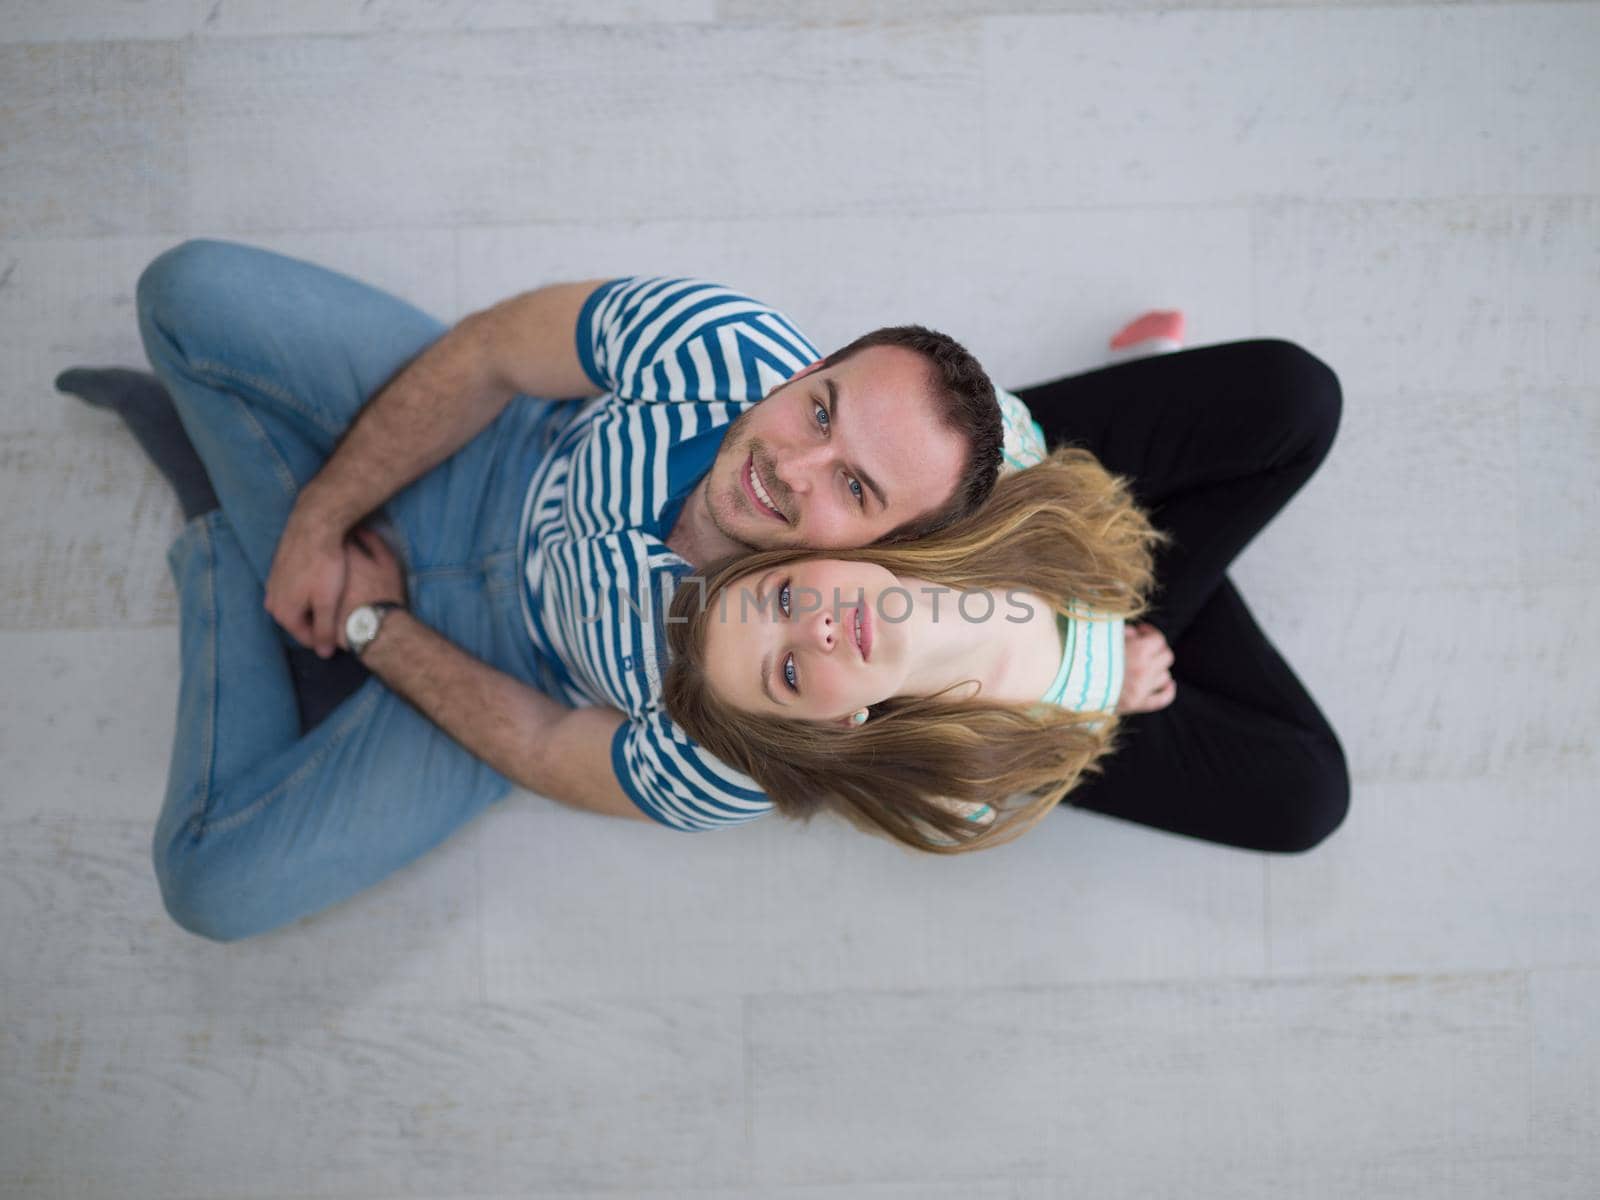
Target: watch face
(361,626)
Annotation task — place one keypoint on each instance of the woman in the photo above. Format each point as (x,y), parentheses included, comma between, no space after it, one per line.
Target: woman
(910,685)
(1211,443)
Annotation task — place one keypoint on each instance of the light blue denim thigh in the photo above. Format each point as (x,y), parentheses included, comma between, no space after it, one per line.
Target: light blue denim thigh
(268,360)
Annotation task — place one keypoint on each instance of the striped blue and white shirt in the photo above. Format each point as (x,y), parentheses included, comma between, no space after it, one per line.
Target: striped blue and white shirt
(678,361)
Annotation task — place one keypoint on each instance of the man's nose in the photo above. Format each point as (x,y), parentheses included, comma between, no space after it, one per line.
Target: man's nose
(798,467)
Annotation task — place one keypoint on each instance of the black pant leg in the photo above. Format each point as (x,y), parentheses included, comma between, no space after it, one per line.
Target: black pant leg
(1215,441)
(1242,756)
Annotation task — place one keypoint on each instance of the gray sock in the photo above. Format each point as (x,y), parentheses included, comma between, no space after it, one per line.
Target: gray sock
(144,405)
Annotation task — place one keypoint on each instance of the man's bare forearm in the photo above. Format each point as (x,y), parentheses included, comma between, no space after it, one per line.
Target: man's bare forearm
(437,403)
(447,395)
(537,743)
(490,713)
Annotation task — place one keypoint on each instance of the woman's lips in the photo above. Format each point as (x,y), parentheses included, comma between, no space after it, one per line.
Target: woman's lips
(864,615)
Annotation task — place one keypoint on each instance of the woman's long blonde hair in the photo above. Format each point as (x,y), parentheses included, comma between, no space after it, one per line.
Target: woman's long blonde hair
(1066,530)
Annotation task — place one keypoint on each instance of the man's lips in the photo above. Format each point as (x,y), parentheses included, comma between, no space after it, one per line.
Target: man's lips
(745,479)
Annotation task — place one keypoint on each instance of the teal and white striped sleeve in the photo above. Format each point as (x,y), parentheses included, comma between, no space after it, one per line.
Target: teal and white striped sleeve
(1024,444)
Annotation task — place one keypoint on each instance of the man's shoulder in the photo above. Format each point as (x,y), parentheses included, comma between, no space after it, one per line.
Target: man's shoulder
(684,304)
(678,338)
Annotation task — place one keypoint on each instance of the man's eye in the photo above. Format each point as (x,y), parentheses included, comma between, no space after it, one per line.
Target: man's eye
(858,493)
(822,416)
(788,673)
(783,598)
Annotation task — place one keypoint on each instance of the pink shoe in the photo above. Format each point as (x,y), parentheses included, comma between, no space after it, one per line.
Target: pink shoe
(1158,332)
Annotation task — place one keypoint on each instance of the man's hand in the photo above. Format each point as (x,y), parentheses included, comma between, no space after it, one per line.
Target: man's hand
(438,403)
(372,573)
(306,582)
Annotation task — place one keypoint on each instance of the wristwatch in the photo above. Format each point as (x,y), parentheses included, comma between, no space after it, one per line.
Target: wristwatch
(362,625)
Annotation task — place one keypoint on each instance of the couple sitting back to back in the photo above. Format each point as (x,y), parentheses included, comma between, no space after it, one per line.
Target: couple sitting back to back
(542,477)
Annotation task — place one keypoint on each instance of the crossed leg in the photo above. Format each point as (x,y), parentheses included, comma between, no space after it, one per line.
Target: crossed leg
(268,360)
(1215,441)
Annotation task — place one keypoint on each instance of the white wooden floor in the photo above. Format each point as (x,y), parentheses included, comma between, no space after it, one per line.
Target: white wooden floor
(561,1005)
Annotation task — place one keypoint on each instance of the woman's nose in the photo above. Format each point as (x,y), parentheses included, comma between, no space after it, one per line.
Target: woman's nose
(824,629)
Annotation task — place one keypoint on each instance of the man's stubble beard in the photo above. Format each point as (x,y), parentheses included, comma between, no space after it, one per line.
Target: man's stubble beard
(729,442)
(737,500)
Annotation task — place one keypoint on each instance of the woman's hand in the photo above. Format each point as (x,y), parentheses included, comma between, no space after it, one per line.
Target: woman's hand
(372,573)
(1147,683)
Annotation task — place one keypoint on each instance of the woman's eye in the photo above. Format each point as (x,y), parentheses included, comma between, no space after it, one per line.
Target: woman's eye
(822,416)
(783,598)
(857,492)
(788,673)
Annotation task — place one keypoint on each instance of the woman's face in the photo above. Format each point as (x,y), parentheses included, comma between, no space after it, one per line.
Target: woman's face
(809,639)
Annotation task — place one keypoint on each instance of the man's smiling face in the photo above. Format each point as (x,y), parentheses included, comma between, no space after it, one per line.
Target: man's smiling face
(837,456)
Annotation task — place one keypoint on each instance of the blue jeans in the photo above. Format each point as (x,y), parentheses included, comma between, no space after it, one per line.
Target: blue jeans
(269,360)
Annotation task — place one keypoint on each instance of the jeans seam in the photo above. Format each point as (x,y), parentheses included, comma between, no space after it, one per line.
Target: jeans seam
(341,730)
(222,371)
(450,571)
(280,468)
(496,581)
(209,736)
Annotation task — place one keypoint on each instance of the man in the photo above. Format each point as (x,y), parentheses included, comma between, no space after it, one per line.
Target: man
(537,536)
